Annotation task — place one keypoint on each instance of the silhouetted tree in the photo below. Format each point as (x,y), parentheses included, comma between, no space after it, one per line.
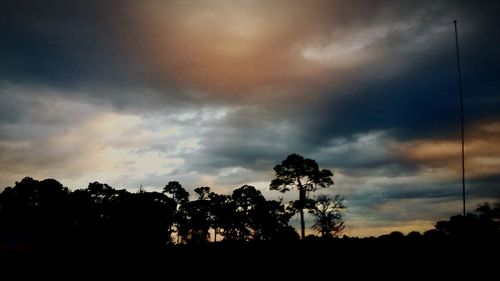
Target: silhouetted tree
(486,223)
(458,226)
(327,214)
(174,190)
(146,217)
(245,199)
(106,207)
(44,213)
(196,221)
(396,236)
(433,235)
(304,175)
(255,218)
(221,212)
(271,222)
(107,217)
(36,212)
(203,192)
(414,235)
(490,214)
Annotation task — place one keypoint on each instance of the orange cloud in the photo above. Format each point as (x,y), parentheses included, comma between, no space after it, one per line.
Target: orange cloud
(238,47)
(482,152)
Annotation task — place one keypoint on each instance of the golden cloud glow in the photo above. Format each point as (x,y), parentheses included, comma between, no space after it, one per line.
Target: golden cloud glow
(231,47)
(482,152)
(363,229)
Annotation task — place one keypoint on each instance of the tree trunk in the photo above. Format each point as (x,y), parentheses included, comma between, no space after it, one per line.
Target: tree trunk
(302,197)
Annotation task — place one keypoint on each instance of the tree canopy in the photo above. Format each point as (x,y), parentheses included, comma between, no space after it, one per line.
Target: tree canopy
(328,218)
(303,174)
(47,213)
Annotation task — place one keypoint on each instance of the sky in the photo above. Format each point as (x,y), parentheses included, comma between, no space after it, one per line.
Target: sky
(216,93)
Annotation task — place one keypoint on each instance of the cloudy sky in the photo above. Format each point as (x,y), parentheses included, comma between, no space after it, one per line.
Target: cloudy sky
(215,93)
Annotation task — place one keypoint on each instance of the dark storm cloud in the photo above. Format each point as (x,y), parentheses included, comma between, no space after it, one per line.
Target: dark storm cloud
(486,187)
(61,42)
(421,100)
(125,48)
(421,103)
(406,84)
(83,49)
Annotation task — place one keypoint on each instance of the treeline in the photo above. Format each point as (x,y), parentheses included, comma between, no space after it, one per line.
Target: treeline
(47,213)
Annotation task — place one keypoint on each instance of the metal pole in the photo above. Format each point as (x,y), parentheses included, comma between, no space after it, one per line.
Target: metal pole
(461,115)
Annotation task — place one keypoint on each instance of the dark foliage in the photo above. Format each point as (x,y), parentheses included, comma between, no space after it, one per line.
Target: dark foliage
(303,174)
(49,232)
(327,213)
(44,214)
(484,224)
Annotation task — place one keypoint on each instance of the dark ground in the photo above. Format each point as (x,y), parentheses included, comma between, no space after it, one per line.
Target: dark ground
(307,260)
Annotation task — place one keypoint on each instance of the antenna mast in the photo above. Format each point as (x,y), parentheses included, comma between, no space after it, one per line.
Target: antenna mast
(461,115)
